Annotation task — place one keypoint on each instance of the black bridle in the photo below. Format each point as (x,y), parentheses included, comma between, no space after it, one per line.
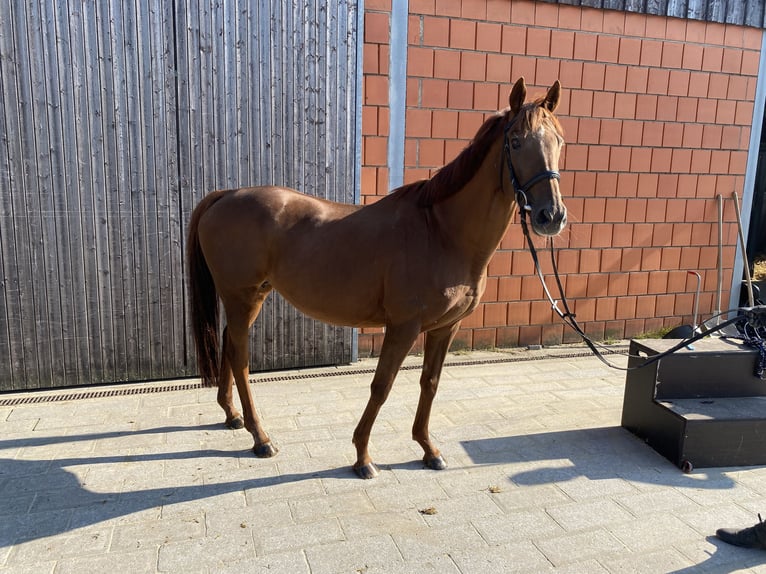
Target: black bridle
(518,189)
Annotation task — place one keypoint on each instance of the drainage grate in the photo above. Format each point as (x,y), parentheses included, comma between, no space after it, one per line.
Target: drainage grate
(150,389)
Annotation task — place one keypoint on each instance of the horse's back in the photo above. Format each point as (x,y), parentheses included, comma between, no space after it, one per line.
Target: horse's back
(309,249)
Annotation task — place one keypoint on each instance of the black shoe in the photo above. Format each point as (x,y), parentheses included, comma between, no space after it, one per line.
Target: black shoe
(752,537)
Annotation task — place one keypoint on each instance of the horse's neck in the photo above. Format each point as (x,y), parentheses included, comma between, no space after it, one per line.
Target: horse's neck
(476,217)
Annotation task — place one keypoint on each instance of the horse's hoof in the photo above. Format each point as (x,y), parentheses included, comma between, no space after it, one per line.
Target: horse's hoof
(265,450)
(435,462)
(367,471)
(235,423)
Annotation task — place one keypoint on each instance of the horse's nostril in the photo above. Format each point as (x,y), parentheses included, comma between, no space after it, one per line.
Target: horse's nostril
(544,217)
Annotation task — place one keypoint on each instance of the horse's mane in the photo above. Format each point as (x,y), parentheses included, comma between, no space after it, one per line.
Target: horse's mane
(456,174)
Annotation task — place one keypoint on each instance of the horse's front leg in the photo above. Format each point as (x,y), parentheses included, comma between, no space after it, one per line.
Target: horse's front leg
(234,419)
(436,346)
(396,344)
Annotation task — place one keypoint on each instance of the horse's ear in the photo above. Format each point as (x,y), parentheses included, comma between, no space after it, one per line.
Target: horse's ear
(518,95)
(553,96)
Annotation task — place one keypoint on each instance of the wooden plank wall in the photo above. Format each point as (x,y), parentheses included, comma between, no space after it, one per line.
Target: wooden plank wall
(741,12)
(115,119)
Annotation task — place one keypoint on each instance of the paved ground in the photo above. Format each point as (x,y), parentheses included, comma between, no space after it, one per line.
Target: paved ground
(542,478)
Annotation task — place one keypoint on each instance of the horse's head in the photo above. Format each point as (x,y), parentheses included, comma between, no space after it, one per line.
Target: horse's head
(533,142)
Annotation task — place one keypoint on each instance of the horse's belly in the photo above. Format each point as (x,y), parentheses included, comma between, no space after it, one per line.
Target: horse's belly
(339,307)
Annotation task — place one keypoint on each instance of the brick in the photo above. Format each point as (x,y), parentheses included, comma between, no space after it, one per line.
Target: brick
(485,96)
(585,46)
(658,81)
(640,160)
(375,150)
(714,33)
(447,64)
(615,78)
(611,132)
(646,107)
(498,10)
(630,51)
(655,27)
(637,80)
(681,161)
(431,153)
(473,66)
(376,90)
(732,61)
(651,53)
(434,93)
(725,112)
(468,124)
(625,106)
(635,24)
(589,131)
(711,136)
(672,54)
(750,61)
(627,184)
(448,8)
(743,115)
(562,44)
(498,68)
(489,37)
(546,71)
(523,12)
(524,66)
(462,34)
(421,7)
(444,123)
(570,74)
(514,40)
(667,184)
(678,83)
(593,76)
(476,10)
(538,42)
(376,27)
(712,58)
(693,55)
(581,103)
(675,29)
(436,32)
(418,123)
(420,62)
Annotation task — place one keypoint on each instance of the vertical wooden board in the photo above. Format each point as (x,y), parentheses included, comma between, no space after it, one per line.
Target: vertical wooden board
(55,194)
(127,313)
(88,179)
(18,122)
(110,74)
(70,254)
(12,365)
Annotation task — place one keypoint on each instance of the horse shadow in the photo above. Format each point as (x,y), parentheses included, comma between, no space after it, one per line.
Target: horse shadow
(596,453)
(41,498)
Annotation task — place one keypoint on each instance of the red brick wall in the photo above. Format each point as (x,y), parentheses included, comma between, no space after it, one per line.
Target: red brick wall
(657,115)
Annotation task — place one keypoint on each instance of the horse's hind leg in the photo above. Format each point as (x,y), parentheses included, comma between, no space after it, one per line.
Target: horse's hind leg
(241,312)
(396,344)
(436,346)
(234,419)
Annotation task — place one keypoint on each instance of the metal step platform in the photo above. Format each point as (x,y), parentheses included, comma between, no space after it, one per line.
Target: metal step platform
(699,407)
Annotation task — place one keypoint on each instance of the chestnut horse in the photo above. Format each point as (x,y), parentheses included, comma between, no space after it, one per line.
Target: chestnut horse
(415,261)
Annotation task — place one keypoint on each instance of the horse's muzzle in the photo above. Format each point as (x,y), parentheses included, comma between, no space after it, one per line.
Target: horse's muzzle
(549,221)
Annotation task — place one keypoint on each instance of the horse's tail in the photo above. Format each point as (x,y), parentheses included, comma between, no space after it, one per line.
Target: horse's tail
(203,298)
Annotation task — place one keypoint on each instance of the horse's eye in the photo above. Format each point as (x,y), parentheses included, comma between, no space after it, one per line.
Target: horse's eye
(515,143)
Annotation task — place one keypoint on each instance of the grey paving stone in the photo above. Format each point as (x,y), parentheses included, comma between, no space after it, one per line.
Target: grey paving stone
(353,555)
(298,536)
(141,562)
(507,558)
(437,541)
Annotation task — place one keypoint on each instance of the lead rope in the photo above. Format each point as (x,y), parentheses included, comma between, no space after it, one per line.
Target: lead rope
(569,318)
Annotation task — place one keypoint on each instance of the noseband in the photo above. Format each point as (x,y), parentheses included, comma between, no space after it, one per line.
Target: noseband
(521,190)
